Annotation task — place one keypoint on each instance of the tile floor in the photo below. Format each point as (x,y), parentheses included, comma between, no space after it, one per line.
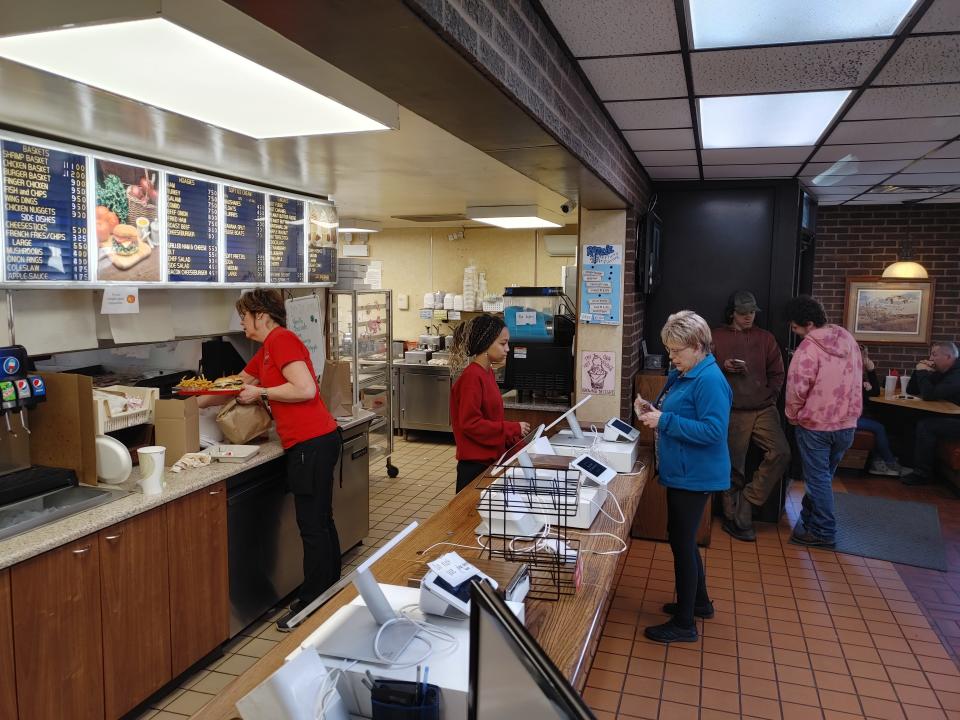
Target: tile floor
(799,634)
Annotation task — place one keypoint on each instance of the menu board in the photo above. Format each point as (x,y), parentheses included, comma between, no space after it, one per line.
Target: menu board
(46,213)
(322,243)
(128,227)
(244,234)
(286,240)
(193,232)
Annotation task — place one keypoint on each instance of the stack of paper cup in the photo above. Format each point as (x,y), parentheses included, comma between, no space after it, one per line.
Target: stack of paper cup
(890,387)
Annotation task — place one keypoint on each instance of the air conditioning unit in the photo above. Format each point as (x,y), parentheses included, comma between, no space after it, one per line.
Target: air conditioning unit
(561,245)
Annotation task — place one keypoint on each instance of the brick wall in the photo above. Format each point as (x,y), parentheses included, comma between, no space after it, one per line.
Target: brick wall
(633,307)
(863,240)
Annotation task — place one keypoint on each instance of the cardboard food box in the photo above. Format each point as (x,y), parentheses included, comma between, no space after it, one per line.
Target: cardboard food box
(63,429)
(176,425)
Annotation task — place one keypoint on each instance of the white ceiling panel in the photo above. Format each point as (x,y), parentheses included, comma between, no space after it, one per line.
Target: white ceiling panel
(878,131)
(855,167)
(952,197)
(934,166)
(847,190)
(785,68)
(887,198)
(830,201)
(943,16)
(637,78)
(906,102)
(947,178)
(680,172)
(751,171)
(754,156)
(951,150)
(924,59)
(615,27)
(642,140)
(667,157)
(650,114)
(876,151)
(867,180)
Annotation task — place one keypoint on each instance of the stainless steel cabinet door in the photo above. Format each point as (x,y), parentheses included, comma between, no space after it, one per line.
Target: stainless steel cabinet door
(351,492)
(425,399)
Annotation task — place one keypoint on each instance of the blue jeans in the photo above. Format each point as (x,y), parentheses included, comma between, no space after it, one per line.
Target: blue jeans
(820,454)
(881,444)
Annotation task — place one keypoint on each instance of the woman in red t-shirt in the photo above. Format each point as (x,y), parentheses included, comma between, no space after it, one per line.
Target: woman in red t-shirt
(476,406)
(282,374)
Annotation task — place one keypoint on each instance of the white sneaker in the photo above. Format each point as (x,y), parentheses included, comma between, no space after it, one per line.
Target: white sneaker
(879,467)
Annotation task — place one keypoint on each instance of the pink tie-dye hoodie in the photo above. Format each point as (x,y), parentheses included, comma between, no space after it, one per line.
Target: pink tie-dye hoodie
(824,381)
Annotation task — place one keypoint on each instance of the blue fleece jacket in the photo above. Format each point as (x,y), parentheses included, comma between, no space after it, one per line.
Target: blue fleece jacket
(692,433)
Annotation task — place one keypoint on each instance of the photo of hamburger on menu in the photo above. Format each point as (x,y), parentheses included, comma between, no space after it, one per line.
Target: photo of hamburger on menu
(228,385)
(127,222)
(126,248)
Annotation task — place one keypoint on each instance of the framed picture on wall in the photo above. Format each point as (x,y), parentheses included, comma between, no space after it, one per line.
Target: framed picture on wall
(893,312)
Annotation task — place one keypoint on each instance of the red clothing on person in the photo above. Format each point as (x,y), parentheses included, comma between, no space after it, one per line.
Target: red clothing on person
(297,421)
(476,413)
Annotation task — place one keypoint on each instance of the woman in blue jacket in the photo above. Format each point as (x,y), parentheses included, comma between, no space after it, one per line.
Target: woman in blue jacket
(690,418)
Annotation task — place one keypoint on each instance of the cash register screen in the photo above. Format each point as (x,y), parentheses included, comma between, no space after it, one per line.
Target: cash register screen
(621,426)
(510,675)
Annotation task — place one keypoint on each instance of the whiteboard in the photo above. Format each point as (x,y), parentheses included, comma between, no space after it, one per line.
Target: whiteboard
(305,318)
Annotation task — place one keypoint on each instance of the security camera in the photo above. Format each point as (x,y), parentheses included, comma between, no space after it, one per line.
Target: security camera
(568,207)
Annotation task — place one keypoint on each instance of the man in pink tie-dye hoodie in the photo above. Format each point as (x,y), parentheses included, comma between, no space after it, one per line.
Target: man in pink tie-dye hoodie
(823,400)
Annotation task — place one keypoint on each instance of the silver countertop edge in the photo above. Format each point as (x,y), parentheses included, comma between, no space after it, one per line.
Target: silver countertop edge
(49,537)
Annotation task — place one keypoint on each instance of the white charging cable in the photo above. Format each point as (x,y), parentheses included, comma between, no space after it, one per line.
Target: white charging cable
(616,504)
(422,627)
(328,689)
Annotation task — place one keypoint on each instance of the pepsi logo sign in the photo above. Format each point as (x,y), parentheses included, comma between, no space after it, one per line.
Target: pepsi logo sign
(11,366)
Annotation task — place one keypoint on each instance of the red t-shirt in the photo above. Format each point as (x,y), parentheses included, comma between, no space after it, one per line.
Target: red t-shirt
(476,413)
(297,421)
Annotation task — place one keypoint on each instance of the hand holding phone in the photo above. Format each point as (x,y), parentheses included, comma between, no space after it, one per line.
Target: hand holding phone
(641,406)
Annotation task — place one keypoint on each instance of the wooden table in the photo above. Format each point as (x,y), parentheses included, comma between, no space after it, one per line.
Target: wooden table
(944,407)
(567,629)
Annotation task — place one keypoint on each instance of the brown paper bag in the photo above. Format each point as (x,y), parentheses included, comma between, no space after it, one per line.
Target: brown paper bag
(336,389)
(242,423)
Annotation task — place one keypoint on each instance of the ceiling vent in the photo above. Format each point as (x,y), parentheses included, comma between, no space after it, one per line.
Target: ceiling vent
(455,218)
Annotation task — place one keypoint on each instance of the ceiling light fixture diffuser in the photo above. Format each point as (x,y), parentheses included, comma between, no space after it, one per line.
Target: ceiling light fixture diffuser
(780,120)
(516,217)
(737,23)
(354,225)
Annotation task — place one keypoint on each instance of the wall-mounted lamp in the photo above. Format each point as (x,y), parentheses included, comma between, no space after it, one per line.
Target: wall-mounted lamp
(905,267)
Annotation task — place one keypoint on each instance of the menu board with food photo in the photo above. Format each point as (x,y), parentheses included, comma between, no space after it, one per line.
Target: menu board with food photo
(45,223)
(128,228)
(286,240)
(322,243)
(193,229)
(245,234)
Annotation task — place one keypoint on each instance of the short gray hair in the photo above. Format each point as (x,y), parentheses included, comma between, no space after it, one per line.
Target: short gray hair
(946,345)
(687,329)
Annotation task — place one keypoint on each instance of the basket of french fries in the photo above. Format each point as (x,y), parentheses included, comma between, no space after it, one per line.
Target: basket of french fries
(199,385)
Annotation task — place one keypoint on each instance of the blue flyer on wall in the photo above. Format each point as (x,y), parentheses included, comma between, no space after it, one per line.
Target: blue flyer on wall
(600,284)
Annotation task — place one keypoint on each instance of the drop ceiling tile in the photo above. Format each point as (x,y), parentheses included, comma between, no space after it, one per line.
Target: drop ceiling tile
(876,151)
(858,166)
(952,150)
(641,140)
(943,16)
(784,68)
(878,131)
(889,198)
(650,114)
(751,171)
(925,59)
(830,201)
(845,190)
(660,158)
(615,27)
(906,102)
(682,172)
(754,156)
(637,78)
(934,166)
(944,178)
(953,197)
(853,179)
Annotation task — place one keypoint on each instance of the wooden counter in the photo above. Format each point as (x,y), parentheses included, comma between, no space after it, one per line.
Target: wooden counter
(568,629)
(943,407)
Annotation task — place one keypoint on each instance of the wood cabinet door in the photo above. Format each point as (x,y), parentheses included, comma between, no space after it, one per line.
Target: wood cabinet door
(135,597)
(199,586)
(57,633)
(8,683)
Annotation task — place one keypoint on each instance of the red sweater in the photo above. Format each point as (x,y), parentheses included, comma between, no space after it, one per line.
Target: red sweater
(476,413)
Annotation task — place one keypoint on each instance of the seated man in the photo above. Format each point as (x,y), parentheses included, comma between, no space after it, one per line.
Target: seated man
(937,378)
(884,462)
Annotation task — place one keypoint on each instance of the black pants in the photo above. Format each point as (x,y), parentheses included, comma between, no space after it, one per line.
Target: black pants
(928,431)
(684,510)
(467,472)
(310,466)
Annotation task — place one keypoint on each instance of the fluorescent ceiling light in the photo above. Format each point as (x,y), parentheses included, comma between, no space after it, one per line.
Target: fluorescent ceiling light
(352,225)
(847,165)
(732,23)
(159,63)
(515,217)
(782,120)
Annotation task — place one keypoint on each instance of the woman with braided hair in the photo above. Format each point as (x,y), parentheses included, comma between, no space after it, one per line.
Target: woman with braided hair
(476,407)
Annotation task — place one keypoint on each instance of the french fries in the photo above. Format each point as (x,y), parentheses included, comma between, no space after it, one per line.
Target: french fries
(195,383)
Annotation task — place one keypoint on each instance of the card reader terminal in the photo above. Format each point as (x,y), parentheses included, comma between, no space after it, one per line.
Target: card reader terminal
(594,469)
(623,430)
